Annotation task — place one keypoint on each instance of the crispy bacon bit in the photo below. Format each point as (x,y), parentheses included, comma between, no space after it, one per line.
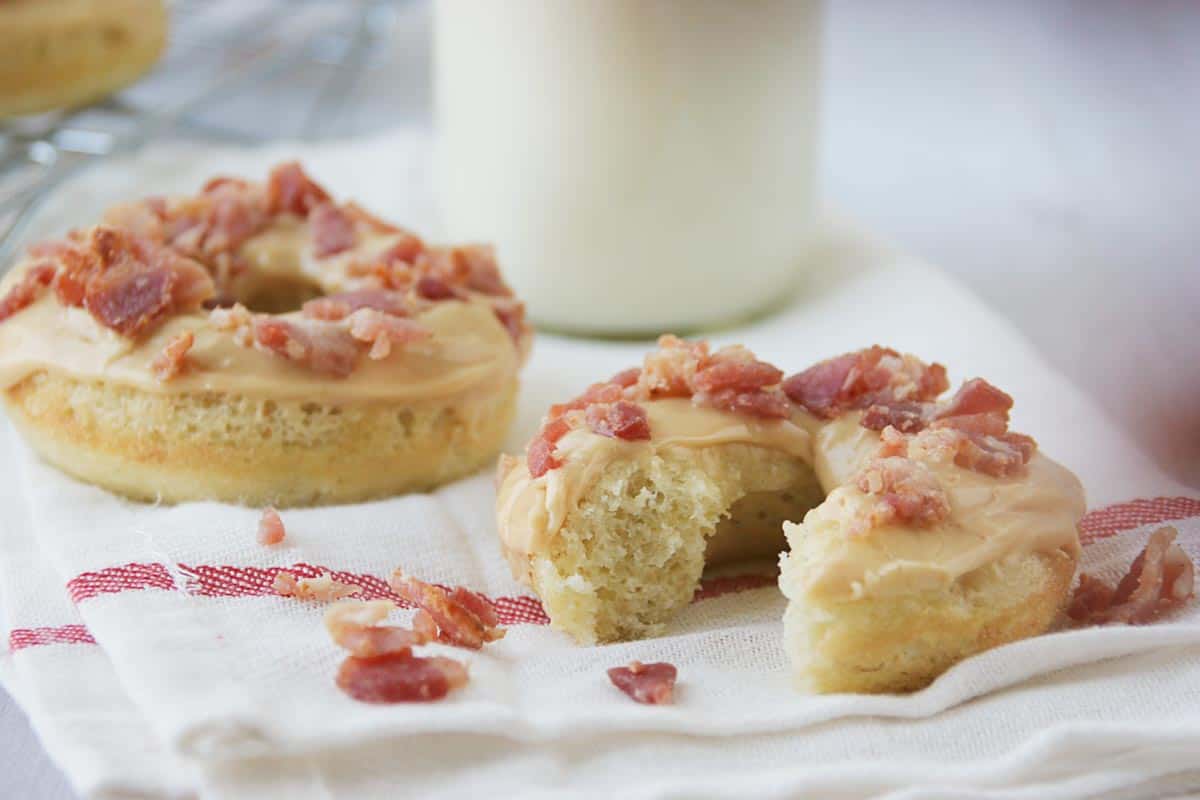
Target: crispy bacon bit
(400,678)
(128,283)
(27,289)
(289,189)
(70,288)
(511,314)
(595,393)
(424,625)
(731,379)
(334,307)
(383,331)
(323,347)
(892,443)
(977,407)
(405,251)
(128,299)
(236,320)
(144,218)
(463,618)
(354,626)
(480,607)
(977,396)
(904,417)
(876,375)
(771,404)
(192,286)
(650,684)
(735,368)
(989,424)
(172,361)
(670,370)
(821,389)
(208,227)
(999,456)
(281,337)
(270,528)
(619,420)
(233,216)
(322,588)
(332,230)
(626,377)
(432,288)
(471,266)
(540,457)
(906,491)
(1161,578)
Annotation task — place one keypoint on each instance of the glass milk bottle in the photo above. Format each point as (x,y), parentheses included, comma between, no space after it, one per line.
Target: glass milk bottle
(641,165)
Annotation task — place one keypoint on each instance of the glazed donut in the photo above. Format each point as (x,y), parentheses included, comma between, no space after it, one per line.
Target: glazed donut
(930,531)
(261,344)
(64,53)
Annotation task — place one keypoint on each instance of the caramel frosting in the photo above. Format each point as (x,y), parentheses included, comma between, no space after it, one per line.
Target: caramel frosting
(469,352)
(991,518)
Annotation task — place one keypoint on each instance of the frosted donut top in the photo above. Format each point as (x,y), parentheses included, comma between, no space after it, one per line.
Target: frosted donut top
(917,489)
(156,297)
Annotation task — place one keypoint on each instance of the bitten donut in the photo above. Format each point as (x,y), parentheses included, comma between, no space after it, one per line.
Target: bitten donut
(64,53)
(930,531)
(259,343)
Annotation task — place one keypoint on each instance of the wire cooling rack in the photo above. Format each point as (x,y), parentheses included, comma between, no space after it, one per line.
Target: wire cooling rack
(235,72)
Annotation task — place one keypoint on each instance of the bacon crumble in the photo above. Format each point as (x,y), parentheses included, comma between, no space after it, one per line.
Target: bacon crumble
(324,347)
(906,492)
(463,618)
(382,667)
(27,289)
(731,379)
(332,230)
(649,684)
(322,588)
(289,189)
(619,420)
(354,626)
(172,359)
(400,678)
(270,528)
(876,375)
(382,331)
(1161,578)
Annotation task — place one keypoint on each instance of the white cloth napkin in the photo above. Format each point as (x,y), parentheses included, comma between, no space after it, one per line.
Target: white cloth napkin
(200,679)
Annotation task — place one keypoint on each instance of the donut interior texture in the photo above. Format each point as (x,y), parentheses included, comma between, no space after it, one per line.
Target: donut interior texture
(259,343)
(918,531)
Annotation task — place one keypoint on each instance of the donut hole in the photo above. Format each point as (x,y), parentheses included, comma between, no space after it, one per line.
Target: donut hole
(632,553)
(273,293)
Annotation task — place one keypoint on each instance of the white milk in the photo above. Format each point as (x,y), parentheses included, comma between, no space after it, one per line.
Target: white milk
(641,165)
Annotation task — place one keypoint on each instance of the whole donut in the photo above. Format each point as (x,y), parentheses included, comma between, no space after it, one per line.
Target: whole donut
(259,343)
(63,53)
(930,531)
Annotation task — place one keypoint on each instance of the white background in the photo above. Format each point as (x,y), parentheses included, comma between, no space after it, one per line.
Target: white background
(1047,154)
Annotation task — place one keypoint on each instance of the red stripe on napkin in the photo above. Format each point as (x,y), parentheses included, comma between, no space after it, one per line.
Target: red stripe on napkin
(232,581)
(1111,520)
(20,638)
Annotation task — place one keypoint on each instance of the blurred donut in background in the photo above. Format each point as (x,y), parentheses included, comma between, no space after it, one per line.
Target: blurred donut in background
(65,53)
